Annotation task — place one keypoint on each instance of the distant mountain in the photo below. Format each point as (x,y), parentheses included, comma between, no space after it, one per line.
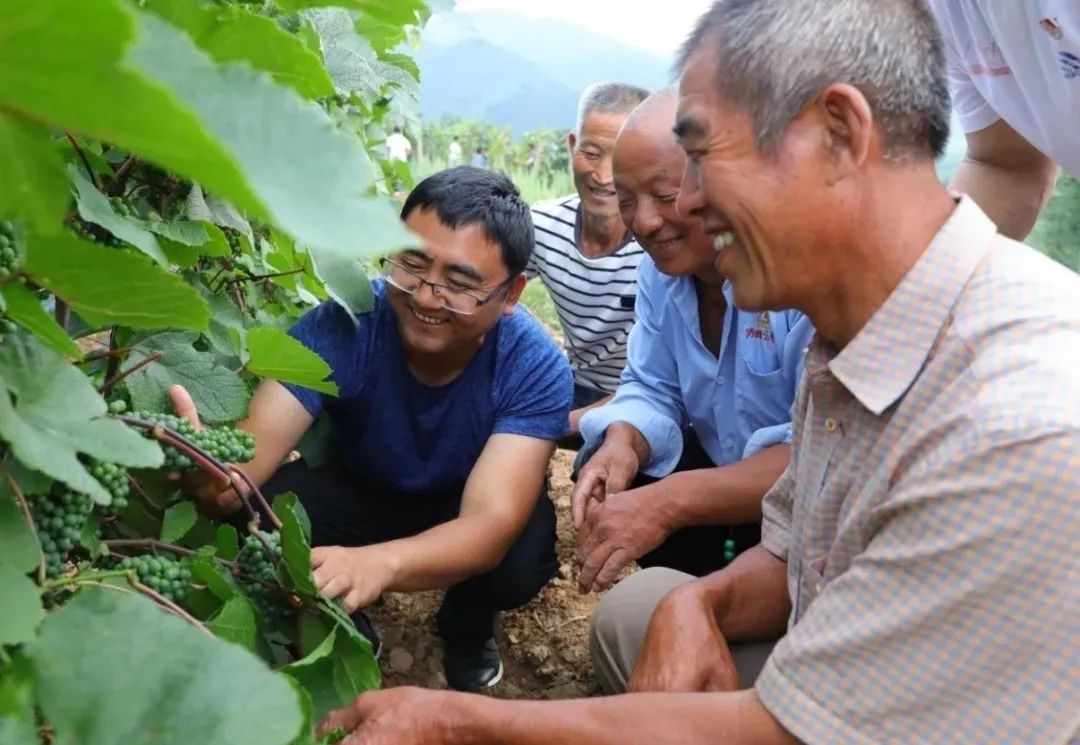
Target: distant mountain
(527,73)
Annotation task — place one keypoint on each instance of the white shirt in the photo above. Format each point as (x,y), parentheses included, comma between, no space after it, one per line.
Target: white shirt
(593,297)
(398,146)
(1017,60)
(455,152)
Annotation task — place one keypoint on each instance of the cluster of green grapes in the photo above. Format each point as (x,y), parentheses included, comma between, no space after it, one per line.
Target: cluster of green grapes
(104,237)
(256,567)
(9,256)
(164,574)
(115,480)
(224,443)
(59,517)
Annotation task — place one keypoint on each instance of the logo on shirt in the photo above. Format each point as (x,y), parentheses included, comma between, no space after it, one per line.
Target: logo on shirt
(762,328)
(1070,65)
(1052,27)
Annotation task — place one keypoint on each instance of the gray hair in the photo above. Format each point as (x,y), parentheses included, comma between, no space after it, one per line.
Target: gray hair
(608,98)
(775,56)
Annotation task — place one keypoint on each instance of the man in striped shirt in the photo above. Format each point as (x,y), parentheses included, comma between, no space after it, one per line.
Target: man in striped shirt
(584,254)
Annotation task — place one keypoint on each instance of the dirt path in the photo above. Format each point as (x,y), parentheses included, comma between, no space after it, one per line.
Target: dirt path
(545,644)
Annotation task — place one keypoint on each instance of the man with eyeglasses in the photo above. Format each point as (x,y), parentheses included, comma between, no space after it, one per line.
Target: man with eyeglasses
(451,399)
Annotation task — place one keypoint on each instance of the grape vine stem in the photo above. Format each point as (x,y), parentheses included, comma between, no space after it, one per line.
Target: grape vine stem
(29,517)
(86,163)
(108,385)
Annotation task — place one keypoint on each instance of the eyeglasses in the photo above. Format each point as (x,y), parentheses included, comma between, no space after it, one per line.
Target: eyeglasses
(408,280)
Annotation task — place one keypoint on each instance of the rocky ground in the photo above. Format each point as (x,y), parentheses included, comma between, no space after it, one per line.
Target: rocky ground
(545,644)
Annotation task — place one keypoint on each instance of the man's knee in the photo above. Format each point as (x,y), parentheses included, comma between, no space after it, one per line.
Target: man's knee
(621,620)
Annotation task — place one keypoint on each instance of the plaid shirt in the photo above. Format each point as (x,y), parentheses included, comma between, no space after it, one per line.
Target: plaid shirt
(930,516)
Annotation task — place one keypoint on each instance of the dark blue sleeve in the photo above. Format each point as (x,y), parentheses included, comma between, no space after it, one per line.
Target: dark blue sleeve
(332,333)
(534,387)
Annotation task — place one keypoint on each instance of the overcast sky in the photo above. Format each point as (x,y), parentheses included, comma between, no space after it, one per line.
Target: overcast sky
(657,26)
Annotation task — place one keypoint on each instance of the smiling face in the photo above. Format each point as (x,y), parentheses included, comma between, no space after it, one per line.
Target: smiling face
(463,259)
(648,165)
(590,153)
(764,212)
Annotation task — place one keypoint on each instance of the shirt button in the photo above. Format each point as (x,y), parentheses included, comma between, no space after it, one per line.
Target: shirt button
(830,425)
(721,380)
(817,589)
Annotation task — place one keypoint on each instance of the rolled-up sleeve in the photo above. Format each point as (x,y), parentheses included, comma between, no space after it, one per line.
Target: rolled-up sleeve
(648,397)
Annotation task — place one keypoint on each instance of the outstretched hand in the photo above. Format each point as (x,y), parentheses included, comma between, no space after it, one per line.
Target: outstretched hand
(213,494)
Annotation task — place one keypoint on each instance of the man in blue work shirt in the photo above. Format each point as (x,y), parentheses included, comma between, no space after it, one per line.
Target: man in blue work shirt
(450,400)
(678,462)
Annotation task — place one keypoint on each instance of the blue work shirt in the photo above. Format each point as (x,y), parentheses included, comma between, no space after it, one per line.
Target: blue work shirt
(738,403)
(406,437)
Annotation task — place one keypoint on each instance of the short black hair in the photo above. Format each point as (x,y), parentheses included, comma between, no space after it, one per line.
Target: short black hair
(466,195)
(397,128)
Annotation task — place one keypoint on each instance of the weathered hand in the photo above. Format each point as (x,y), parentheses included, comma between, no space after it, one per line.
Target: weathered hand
(397,716)
(358,575)
(214,496)
(611,469)
(625,527)
(684,649)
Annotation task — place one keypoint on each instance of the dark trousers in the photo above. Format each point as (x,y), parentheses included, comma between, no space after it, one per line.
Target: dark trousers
(698,550)
(345,511)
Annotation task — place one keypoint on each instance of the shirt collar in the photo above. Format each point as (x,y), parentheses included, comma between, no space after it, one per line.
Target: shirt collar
(881,363)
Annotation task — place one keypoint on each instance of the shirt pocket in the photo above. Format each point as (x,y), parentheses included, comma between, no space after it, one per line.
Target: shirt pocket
(762,399)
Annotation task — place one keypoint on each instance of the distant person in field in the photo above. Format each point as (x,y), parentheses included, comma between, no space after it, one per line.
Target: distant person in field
(1014,75)
(584,254)
(450,400)
(398,147)
(700,425)
(479,159)
(455,152)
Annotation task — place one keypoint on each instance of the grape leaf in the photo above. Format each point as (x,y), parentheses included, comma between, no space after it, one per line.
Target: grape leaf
(90,538)
(276,355)
(17,721)
(94,207)
(215,577)
(23,307)
(56,414)
(179,685)
(236,622)
(345,282)
(315,674)
(311,175)
(396,12)
(336,672)
(21,600)
(106,286)
(230,34)
(203,235)
(219,393)
(18,544)
(227,542)
(295,551)
(179,519)
(355,667)
(33,186)
(84,85)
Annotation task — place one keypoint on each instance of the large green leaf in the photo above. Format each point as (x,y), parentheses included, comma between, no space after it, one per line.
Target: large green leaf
(315,674)
(236,622)
(396,12)
(32,186)
(219,393)
(211,573)
(295,549)
(275,354)
(230,34)
(108,286)
(179,519)
(21,600)
(24,307)
(18,544)
(336,672)
(95,207)
(84,85)
(115,668)
(351,59)
(345,282)
(312,176)
(17,720)
(56,414)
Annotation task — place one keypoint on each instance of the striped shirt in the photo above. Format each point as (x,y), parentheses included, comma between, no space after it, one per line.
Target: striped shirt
(930,514)
(593,297)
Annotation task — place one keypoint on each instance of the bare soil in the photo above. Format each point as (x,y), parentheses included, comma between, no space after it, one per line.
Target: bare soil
(545,644)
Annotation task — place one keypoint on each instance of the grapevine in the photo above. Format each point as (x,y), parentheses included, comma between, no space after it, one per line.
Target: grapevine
(59,516)
(164,574)
(257,572)
(9,256)
(224,443)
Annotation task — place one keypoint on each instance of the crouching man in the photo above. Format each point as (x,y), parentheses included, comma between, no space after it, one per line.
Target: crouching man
(451,398)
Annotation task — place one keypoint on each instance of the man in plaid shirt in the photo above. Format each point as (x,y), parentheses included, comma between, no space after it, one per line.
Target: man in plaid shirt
(921,554)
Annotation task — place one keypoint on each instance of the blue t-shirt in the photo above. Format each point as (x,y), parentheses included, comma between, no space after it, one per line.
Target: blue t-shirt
(403,436)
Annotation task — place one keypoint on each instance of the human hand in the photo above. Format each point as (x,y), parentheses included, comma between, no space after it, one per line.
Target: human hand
(610,470)
(214,495)
(356,574)
(684,649)
(615,532)
(397,716)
